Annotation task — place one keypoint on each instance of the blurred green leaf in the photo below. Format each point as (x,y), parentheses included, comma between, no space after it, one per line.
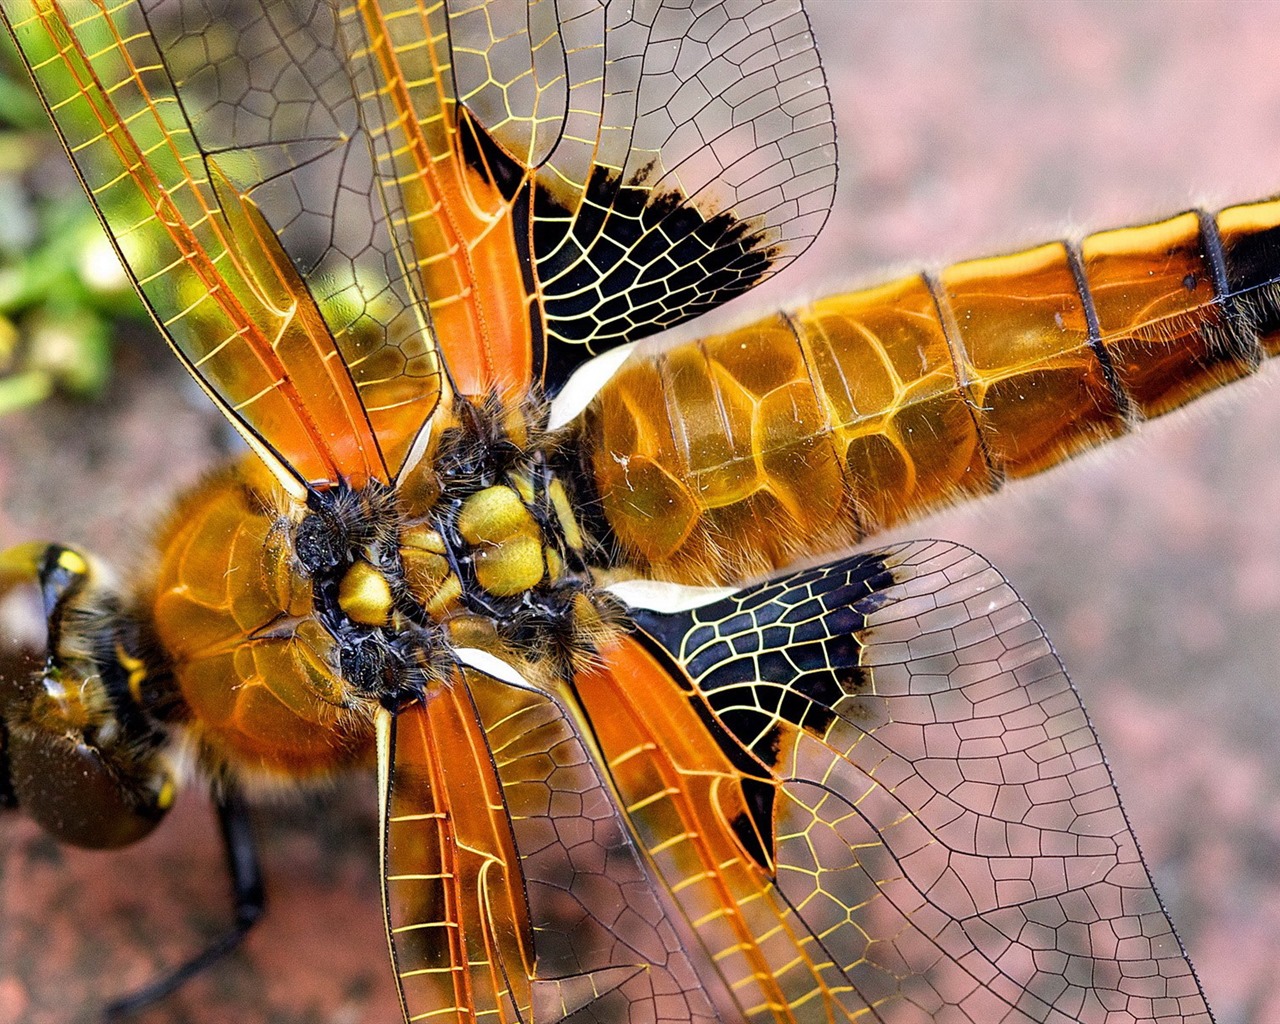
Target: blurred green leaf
(62,288)
(20,107)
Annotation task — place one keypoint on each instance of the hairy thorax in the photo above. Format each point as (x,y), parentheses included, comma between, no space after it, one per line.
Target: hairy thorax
(284,625)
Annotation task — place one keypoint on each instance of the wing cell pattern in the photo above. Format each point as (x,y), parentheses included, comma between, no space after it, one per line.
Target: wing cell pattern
(320,202)
(221,147)
(710,166)
(865,791)
(591,172)
(514,890)
(943,839)
(453,200)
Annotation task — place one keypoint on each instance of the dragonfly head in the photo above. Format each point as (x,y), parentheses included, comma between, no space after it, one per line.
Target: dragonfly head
(79,752)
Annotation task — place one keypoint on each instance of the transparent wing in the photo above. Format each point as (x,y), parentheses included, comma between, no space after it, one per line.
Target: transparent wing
(568,175)
(222,145)
(513,891)
(319,201)
(696,157)
(872,789)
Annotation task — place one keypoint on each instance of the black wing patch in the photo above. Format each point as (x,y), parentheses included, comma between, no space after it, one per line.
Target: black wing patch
(945,837)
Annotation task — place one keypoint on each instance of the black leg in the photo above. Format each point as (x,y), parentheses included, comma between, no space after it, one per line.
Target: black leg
(247,892)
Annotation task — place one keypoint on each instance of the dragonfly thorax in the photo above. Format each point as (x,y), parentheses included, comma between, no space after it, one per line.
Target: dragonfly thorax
(483,550)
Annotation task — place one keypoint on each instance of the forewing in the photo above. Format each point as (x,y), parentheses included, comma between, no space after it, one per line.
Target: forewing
(567,175)
(513,891)
(454,199)
(894,807)
(222,146)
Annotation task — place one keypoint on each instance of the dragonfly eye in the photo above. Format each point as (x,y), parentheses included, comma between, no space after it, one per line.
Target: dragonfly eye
(15,666)
(82,796)
(93,787)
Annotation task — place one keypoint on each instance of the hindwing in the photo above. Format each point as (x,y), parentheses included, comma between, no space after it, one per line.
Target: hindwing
(874,792)
(513,890)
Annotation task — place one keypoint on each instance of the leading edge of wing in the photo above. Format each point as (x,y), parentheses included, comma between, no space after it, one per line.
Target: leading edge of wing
(297,357)
(565,176)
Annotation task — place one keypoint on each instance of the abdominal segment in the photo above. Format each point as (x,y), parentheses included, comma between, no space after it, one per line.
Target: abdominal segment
(806,431)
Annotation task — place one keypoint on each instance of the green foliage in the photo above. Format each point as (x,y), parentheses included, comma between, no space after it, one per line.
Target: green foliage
(63,292)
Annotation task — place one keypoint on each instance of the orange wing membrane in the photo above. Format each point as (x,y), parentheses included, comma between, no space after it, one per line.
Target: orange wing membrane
(513,891)
(874,793)
(860,792)
(233,175)
(568,175)
(318,203)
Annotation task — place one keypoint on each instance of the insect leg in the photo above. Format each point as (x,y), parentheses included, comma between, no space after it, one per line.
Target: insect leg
(248,896)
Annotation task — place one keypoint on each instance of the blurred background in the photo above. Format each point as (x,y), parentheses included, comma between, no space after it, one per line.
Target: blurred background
(965,128)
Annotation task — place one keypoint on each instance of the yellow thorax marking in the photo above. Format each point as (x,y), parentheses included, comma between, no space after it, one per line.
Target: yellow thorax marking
(505,538)
(427,571)
(135,667)
(365,595)
(73,562)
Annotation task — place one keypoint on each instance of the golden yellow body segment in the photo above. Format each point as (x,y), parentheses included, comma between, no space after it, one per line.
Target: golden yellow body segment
(794,435)
(233,612)
(816,427)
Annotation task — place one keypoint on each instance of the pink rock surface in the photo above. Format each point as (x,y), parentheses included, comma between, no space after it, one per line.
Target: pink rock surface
(1155,567)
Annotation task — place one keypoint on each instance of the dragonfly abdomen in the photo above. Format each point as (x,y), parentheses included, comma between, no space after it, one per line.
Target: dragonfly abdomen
(811,429)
